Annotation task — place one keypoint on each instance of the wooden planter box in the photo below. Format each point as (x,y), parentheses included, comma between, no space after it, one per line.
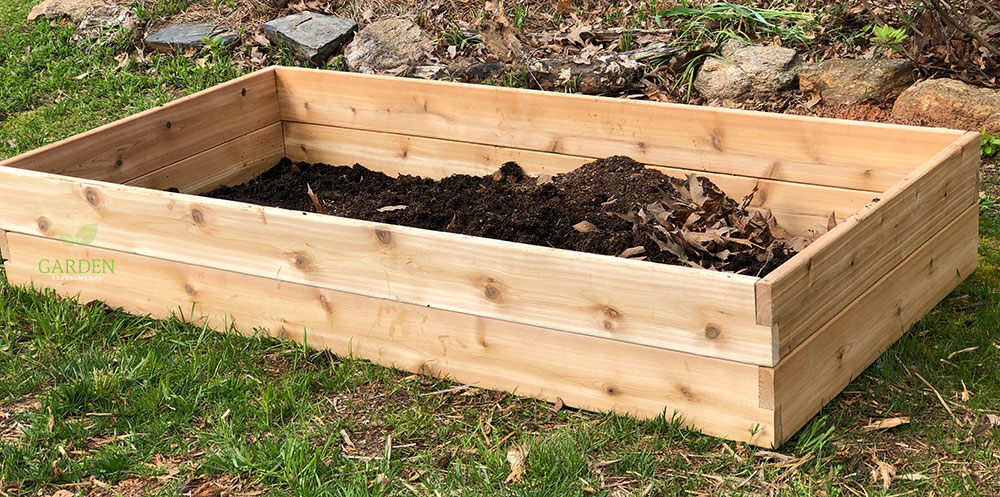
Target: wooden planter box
(740,357)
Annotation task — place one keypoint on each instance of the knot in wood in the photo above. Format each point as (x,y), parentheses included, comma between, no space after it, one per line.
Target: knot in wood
(93,198)
(686,393)
(118,163)
(43,224)
(712,332)
(492,292)
(189,289)
(611,390)
(383,235)
(197,216)
(243,92)
(302,261)
(169,125)
(323,302)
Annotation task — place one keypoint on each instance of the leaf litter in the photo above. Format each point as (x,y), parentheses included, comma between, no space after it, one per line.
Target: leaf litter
(614,206)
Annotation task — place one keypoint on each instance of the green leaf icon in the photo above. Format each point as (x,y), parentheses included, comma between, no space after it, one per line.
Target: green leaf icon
(86,234)
(67,239)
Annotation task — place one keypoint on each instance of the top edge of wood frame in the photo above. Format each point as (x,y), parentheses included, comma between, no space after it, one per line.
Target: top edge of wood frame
(12,161)
(965,139)
(280,70)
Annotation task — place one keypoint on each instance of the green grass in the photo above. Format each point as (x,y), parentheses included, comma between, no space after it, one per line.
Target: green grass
(88,392)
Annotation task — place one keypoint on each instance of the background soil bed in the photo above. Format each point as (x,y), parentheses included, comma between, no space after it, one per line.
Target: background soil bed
(614,206)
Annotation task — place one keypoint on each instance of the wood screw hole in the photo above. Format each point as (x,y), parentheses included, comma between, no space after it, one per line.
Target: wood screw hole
(712,332)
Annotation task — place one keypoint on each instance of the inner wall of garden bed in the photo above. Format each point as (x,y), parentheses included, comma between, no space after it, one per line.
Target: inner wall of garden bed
(736,356)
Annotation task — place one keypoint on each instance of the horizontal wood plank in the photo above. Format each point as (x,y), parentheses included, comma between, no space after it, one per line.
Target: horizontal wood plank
(780,147)
(653,304)
(823,365)
(134,146)
(231,163)
(718,397)
(797,207)
(807,291)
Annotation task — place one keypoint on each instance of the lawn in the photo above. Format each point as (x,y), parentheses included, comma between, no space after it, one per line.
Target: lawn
(98,402)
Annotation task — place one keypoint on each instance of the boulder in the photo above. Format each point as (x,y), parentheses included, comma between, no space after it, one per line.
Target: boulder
(180,37)
(748,71)
(91,15)
(390,46)
(312,37)
(856,81)
(949,103)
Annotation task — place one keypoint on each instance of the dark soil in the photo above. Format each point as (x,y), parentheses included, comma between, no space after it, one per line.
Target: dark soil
(612,206)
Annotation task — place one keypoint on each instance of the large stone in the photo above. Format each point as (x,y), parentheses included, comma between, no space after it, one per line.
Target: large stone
(390,46)
(312,37)
(748,71)
(949,103)
(92,15)
(180,37)
(856,81)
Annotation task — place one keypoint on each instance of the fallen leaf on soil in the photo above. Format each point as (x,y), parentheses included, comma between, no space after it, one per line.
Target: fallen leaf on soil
(565,7)
(885,424)
(832,222)
(993,419)
(543,179)
(390,208)
(315,200)
(558,405)
(516,457)
(883,471)
(584,226)
(632,252)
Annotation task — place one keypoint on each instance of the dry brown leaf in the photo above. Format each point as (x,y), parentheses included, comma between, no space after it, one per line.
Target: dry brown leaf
(565,7)
(315,200)
(993,419)
(632,252)
(558,405)
(697,192)
(887,423)
(584,226)
(832,222)
(883,471)
(516,457)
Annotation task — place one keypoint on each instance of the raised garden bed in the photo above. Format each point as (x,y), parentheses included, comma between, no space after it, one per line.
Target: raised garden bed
(737,356)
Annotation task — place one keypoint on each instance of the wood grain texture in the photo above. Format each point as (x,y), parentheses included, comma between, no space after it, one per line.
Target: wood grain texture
(134,146)
(652,304)
(718,397)
(808,290)
(772,146)
(818,369)
(797,207)
(231,163)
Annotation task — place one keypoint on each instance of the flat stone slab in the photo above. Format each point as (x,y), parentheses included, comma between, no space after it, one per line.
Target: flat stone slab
(312,37)
(179,37)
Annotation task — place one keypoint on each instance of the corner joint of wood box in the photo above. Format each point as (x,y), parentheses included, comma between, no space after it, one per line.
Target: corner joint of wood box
(4,247)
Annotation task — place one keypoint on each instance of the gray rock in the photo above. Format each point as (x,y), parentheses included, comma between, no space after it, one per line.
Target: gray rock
(312,37)
(855,81)
(179,37)
(748,71)
(390,46)
(949,103)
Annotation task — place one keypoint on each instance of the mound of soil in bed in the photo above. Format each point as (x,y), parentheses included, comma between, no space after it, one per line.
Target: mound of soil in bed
(614,206)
